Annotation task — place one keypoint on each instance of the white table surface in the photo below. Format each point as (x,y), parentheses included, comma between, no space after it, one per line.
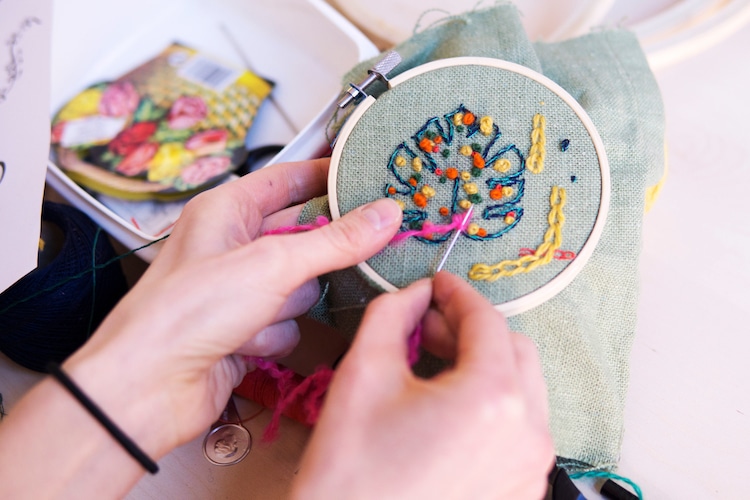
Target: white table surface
(687,421)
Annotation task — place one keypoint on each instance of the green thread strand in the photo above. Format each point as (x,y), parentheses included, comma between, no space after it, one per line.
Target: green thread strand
(93,279)
(609,475)
(94,267)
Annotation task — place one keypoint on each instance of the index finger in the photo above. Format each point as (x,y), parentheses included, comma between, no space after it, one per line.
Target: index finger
(278,186)
(483,340)
(231,214)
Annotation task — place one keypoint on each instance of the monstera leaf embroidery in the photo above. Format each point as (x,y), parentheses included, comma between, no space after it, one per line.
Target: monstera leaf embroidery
(451,163)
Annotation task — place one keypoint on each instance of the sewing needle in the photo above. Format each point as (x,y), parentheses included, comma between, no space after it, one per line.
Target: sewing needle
(454,240)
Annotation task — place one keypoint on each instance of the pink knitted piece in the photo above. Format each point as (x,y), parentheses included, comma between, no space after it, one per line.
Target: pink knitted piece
(311,390)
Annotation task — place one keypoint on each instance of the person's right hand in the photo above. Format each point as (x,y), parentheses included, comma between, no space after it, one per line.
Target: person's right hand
(477,430)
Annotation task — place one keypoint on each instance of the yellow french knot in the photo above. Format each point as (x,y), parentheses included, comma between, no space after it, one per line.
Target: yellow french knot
(543,254)
(535,161)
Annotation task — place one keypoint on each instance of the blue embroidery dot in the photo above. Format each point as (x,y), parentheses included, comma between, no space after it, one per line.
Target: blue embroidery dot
(564,145)
(573,178)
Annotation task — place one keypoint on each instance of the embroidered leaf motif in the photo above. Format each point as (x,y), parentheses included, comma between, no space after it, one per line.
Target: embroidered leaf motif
(452,162)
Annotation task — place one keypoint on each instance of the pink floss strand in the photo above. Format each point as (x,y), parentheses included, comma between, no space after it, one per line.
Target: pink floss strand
(320,221)
(415,340)
(559,254)
(457,222)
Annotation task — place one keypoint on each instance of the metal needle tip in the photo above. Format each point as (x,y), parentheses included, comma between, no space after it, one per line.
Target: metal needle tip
(454,240)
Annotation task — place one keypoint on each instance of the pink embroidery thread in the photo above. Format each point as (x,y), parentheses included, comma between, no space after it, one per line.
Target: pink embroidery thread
(320,221)
(428,229)
(559,254)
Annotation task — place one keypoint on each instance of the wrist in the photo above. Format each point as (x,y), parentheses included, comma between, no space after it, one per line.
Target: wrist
(124,387)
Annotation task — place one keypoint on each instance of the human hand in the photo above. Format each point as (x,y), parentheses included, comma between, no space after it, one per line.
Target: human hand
(477,430)
(216,292)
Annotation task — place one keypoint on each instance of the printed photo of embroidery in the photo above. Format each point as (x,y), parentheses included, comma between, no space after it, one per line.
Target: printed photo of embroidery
(175,124)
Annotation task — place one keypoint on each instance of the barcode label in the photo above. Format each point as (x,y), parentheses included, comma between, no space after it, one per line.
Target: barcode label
(208,73)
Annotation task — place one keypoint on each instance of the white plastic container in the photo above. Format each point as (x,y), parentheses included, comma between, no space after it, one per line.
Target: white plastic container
(304,46)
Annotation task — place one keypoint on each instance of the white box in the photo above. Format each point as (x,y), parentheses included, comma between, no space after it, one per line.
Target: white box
(304,46)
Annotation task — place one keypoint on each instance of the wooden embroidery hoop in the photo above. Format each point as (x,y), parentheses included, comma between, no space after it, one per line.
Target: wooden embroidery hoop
(559,282)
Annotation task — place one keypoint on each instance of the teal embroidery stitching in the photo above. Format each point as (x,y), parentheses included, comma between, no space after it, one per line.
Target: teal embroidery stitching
(457,149)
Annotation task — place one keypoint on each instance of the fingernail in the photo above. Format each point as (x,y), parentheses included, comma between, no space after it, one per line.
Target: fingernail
(382,213)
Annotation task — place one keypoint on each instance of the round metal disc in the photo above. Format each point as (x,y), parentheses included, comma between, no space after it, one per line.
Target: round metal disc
(227,444)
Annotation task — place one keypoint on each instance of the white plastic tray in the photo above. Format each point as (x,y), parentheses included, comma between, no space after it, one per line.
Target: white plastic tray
(304,46)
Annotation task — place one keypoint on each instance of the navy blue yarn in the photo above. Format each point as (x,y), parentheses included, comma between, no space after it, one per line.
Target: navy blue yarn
(36,328)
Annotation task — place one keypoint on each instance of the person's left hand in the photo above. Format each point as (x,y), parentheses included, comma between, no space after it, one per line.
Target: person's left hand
(216,292)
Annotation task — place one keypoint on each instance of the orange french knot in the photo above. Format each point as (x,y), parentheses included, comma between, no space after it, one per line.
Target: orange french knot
(420,200)
(426,145)
(478,160)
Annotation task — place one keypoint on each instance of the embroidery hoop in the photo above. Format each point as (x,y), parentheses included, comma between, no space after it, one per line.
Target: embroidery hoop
(561,280)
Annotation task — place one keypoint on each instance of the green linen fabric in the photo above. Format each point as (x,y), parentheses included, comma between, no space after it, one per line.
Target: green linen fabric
(585,333)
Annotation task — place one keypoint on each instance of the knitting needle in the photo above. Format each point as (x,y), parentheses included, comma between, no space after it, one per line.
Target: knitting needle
(455,239)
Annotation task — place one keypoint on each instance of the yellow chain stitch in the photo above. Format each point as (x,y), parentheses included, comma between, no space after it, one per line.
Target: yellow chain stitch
(543,254)
(535,161)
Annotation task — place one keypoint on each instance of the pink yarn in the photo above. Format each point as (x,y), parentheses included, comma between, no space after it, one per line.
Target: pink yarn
(457,222)
(415,340)
(312,389)
(320,221)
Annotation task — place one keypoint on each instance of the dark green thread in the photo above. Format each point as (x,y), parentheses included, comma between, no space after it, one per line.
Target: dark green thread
(79,275)
(93,279)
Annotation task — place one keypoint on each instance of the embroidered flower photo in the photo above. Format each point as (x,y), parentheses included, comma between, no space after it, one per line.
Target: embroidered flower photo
(154,130)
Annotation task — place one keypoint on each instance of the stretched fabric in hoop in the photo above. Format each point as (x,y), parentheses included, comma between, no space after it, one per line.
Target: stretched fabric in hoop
(585,333)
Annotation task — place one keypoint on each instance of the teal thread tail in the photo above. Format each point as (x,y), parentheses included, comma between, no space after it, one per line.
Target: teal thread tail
(609,475)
